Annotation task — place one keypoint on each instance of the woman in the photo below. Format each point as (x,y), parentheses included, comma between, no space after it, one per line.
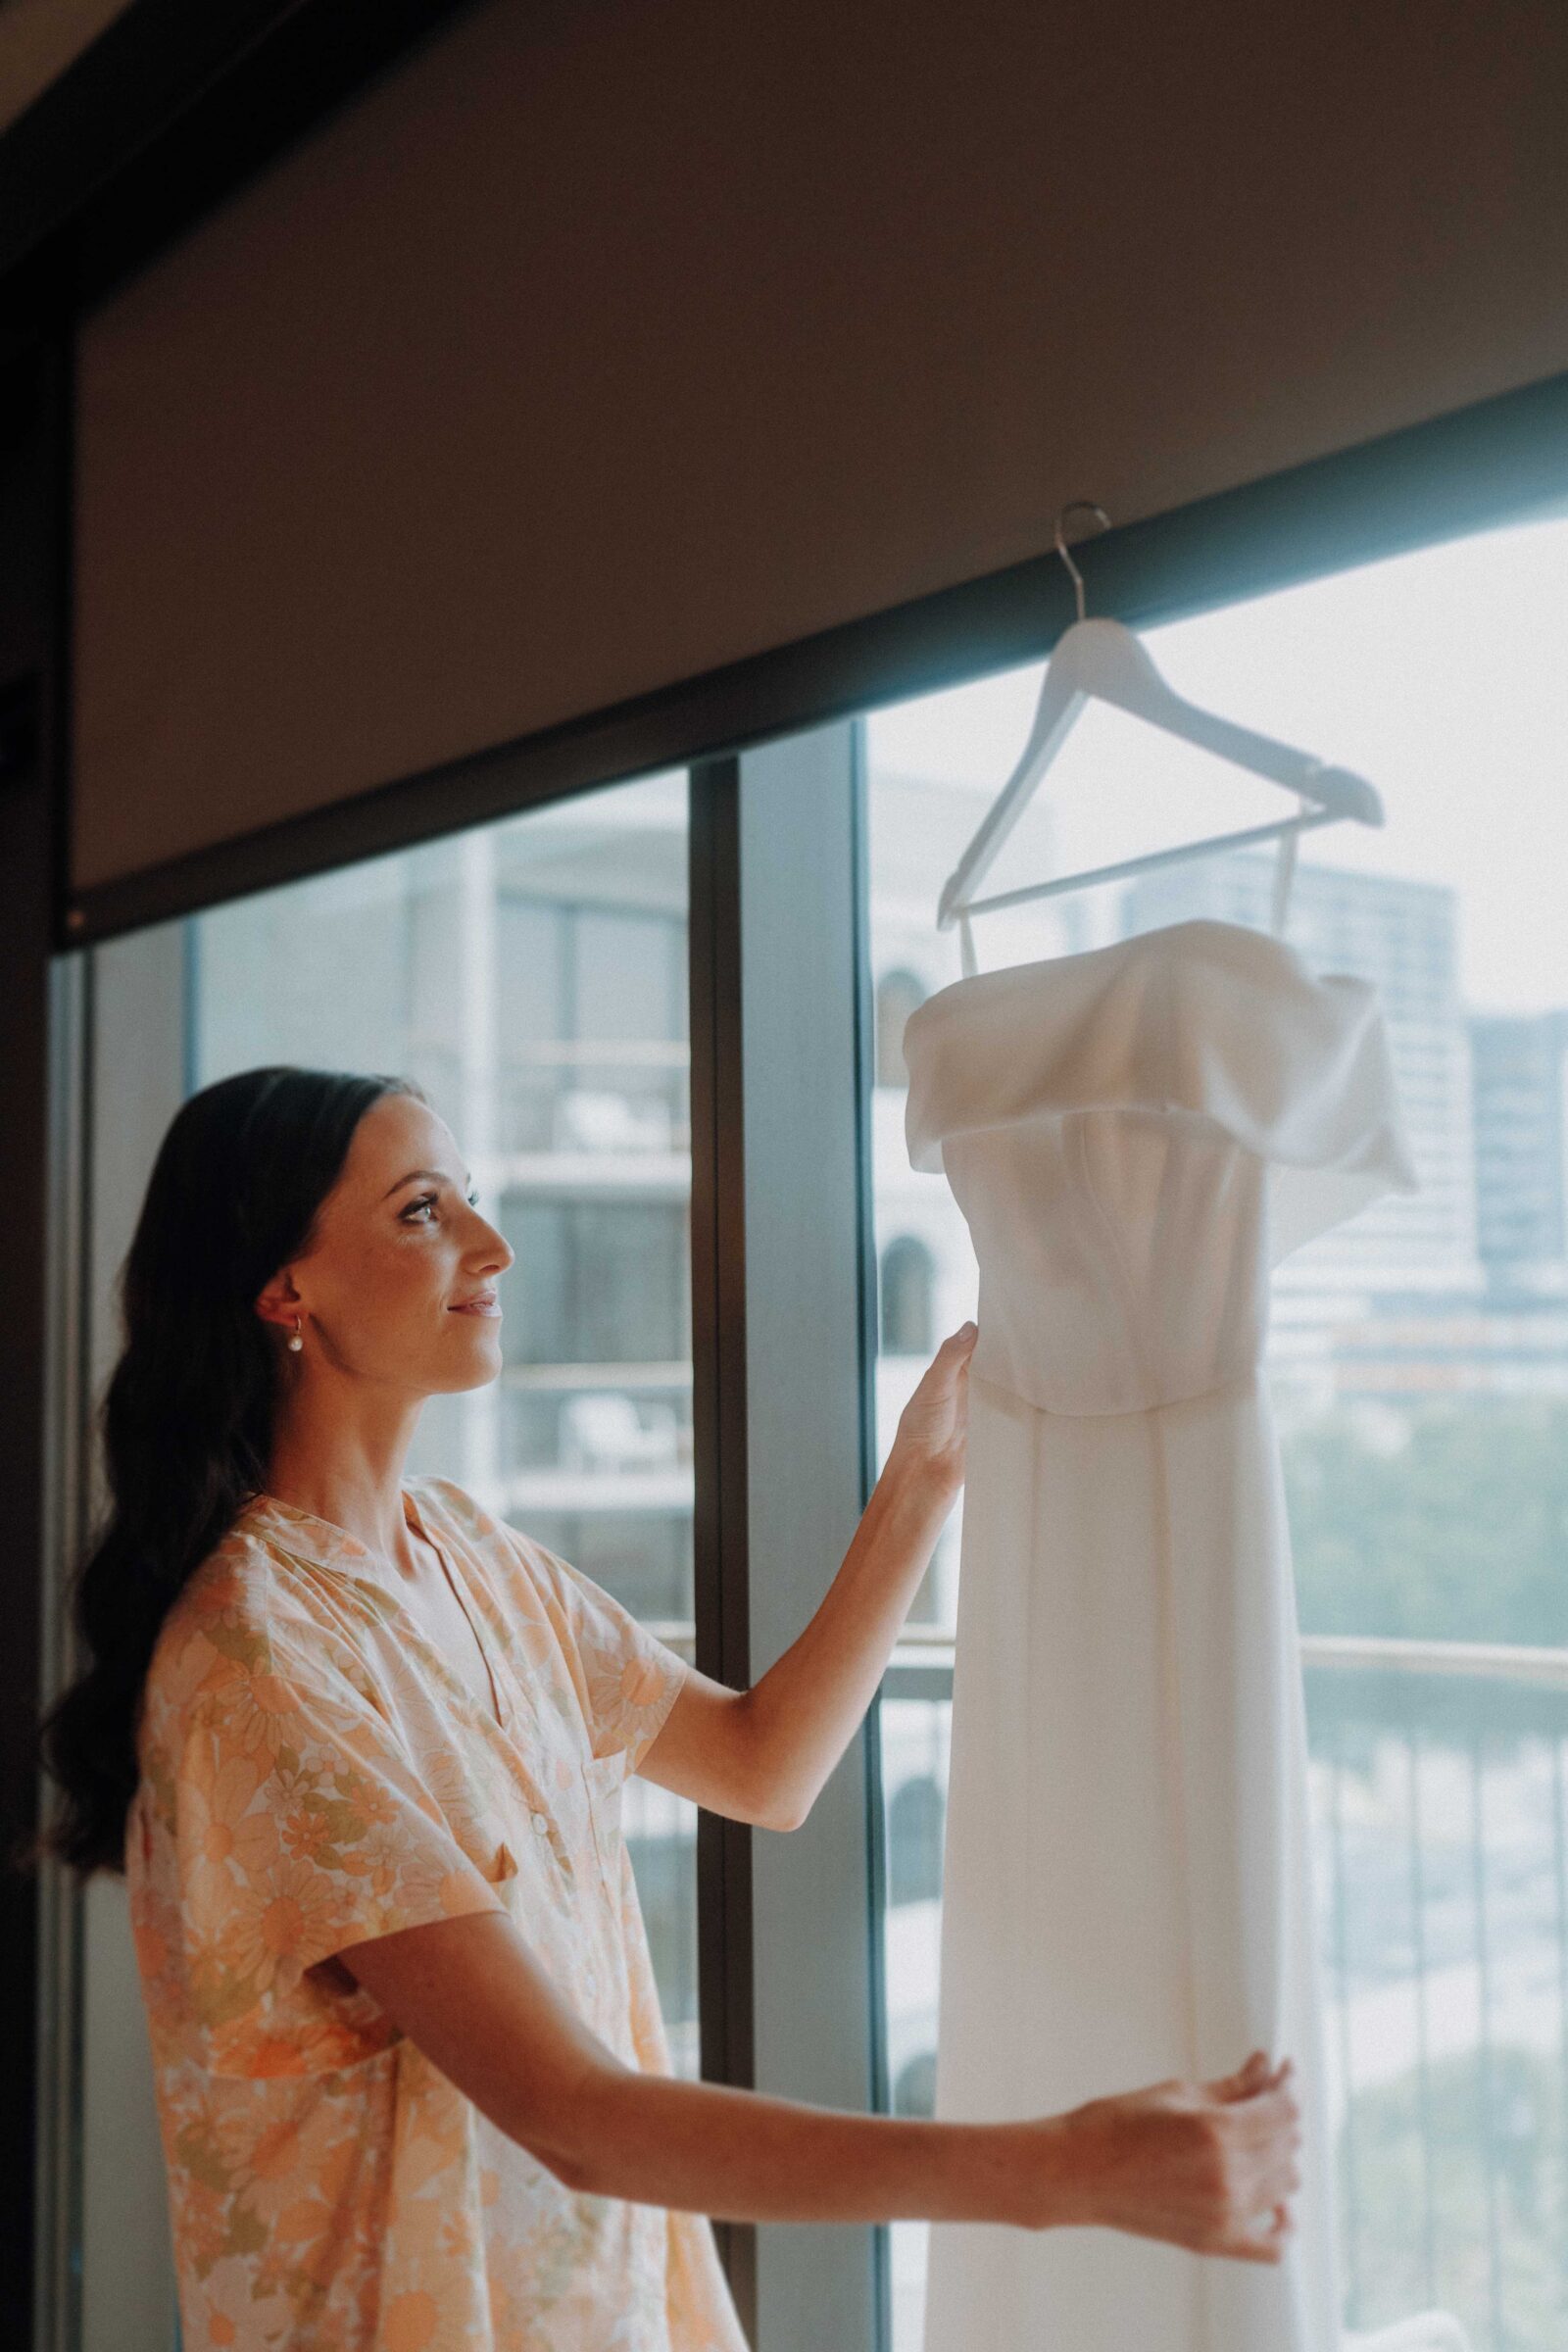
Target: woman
(358,1746)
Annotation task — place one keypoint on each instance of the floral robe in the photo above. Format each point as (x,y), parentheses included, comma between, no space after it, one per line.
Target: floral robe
(314,1771)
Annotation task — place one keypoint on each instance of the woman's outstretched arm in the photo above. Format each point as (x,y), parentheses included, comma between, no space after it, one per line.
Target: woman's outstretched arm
(763,1754)
(1202,2165)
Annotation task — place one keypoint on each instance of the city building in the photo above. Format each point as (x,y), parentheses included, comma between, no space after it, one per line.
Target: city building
(1517,1064)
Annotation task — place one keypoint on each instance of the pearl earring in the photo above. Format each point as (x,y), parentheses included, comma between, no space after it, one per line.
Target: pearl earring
(296,1343)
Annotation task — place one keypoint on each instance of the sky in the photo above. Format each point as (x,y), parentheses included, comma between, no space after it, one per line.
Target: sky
(1441,676)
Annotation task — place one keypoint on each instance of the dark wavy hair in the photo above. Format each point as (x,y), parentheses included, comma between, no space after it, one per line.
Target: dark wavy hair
(187,1417)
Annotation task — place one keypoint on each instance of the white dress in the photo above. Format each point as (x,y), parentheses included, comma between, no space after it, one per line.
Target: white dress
(1134,1135)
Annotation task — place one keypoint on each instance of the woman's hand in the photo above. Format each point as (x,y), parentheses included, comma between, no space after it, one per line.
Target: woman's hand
(1205,2165)
(934,1426)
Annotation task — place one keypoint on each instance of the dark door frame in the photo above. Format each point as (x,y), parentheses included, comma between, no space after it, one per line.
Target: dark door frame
(34,413)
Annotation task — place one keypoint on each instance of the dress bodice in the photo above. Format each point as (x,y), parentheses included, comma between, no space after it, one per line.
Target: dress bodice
(1135,1135)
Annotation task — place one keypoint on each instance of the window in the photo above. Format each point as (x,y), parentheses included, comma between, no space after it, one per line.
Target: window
(898,994)
(909,1273)
(915,1842)
(532,975)
(1419,1360)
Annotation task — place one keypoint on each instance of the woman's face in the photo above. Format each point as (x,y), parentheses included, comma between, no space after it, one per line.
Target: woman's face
(400,1248)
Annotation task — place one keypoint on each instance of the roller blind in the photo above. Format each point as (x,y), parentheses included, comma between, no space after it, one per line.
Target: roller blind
(600,345)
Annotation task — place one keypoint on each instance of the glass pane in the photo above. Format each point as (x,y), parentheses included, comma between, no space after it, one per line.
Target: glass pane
(531,975)
(1419,1355)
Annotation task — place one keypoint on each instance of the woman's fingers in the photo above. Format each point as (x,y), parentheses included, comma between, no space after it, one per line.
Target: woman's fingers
(1270,2128)
(1262,2245)
(1262,2120)
(933,1426)
(1251,2077)
(1242,2084)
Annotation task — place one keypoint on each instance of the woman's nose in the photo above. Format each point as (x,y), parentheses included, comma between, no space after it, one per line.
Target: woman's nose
(501,1254)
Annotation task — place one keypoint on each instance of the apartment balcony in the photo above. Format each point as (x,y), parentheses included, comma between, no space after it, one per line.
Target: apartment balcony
(1438,1787)
(594,1114)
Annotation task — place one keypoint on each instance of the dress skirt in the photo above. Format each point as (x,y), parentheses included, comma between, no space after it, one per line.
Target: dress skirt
(1127,1877)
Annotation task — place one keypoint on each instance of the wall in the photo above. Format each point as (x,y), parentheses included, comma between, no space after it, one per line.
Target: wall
(599,345)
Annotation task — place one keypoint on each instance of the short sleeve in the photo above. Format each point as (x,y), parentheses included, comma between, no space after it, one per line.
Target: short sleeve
(628,1680)
(300,1824)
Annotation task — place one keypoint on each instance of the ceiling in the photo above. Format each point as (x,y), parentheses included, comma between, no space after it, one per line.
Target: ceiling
(38,39)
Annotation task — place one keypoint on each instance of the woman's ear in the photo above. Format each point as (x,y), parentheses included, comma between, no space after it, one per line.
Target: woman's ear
(279,1302)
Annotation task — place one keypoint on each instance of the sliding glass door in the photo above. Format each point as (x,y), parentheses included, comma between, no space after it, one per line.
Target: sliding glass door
(532,975)
(1419,1358)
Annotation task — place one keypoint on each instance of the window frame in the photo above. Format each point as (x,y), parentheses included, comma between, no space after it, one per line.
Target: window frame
(762,739)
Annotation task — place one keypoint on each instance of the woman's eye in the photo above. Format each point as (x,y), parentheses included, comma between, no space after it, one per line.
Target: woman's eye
(428,1201)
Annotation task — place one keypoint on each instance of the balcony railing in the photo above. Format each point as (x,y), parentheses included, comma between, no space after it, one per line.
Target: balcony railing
(1439,1778)
(922,1650)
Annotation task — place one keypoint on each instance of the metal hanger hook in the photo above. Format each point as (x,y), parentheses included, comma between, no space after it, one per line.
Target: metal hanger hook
(1089,507)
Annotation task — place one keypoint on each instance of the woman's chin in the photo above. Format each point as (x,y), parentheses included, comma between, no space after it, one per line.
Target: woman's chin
(478,1355)
(477,1376)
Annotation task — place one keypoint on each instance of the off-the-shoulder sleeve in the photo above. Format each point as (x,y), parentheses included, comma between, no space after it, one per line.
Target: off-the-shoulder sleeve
(1214,1020)
(300,1825)
(626,1677)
